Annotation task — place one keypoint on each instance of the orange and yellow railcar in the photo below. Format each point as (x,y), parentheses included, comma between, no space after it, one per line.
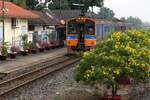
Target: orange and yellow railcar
(81,34)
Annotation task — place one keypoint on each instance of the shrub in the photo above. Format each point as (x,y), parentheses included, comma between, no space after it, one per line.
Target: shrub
(4,49)
(122,54)
(25,42)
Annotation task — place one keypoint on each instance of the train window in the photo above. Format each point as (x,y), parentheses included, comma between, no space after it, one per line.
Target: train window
(72,28)
(89,26)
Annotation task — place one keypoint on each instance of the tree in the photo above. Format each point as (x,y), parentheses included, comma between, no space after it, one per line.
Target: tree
(21,3)
(105,13)
(123,19)
(91,14)
(146,25)
(135,21)
(31,4)
(67,4)
(59,4)
(86,3)
(123,54)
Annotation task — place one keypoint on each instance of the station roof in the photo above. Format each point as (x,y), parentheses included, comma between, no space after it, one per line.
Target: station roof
(14,11)
(53,17)
(113,22)
(44,19)
(66,14)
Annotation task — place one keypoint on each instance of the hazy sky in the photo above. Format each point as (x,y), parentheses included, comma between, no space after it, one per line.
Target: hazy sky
(139,8)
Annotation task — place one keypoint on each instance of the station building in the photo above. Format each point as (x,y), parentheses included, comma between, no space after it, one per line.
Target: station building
(52,23)
(15,22)
(19,21)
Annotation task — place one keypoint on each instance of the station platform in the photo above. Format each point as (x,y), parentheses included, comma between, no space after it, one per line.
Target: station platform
(22,61)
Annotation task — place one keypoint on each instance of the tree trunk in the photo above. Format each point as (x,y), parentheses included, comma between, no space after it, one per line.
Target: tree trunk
(114,89)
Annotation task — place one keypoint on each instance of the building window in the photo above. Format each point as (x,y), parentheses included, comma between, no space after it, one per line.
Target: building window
(44,28)
(14,23)
(1,33)
(23,30)
(31,28)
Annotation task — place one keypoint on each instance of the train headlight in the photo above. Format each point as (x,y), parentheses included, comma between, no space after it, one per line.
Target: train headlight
(69,42)
(92,42)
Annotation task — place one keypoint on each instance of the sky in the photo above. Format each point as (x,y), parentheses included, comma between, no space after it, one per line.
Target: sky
(136,8)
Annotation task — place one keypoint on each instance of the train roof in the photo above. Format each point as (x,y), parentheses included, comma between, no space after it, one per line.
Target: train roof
(116,22)
(104,21)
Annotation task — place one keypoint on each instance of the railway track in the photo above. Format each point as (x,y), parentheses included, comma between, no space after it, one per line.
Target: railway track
(44,68)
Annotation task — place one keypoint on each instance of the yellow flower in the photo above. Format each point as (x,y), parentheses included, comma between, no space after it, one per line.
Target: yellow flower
(117,71)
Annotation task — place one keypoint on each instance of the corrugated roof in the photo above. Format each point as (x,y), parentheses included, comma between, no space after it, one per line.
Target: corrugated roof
(53,17)
(15,11)
(66,14)
(45,19)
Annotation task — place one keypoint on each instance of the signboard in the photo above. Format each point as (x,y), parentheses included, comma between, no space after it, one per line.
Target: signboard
(44,35)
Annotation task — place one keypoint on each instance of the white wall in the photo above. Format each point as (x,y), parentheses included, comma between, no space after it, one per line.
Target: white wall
(38,28)
(14,35)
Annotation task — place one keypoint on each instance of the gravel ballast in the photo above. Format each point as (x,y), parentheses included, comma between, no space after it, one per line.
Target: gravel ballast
(57,86)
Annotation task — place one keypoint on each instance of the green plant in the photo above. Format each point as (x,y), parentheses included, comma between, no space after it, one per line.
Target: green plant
(122,54)
(32,45)
(25,42)
(14,49)
(4,49)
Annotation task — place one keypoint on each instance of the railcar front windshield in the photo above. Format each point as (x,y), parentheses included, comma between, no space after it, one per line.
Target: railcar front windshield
(72,27)
(87,27)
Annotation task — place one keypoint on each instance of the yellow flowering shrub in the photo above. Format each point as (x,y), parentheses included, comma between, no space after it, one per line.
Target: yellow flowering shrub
(123,53)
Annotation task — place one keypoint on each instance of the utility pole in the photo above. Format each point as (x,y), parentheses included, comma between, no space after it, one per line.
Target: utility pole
(60,9)
(3,18)
(92,12)
(81,7)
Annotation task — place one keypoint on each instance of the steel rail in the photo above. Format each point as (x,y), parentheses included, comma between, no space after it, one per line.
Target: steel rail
(46,68)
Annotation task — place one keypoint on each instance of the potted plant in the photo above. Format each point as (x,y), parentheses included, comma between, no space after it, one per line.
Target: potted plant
(124,79)
(25,45)
(41,47)
(32,47)
(46,45)
(4,51)
(121,55)
(13,52)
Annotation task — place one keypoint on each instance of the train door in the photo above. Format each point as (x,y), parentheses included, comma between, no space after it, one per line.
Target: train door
(61,35)
(35,37)
(81,30)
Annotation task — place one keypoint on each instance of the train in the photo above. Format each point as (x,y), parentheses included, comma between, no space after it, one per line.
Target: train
(82,33)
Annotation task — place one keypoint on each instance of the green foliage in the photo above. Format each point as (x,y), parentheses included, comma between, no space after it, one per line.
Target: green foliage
(59,4)
(21,3)
(87,4)
(31,4)
(4,49)
(14,49)
(25,42)
(123,53)
(68,4)
(135,21)
(32,45)
(91,14)
(105,13)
